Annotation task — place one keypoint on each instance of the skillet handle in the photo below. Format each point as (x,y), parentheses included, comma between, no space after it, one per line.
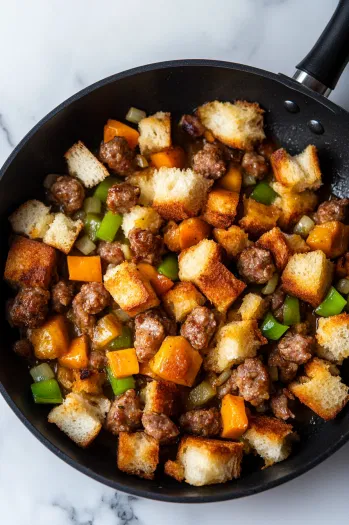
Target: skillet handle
(321,68)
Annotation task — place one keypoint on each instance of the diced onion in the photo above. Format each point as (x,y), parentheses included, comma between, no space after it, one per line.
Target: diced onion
(141,161)
(271,285)
(121,315)
(134,115)
(85,245)
(126,251)
(42,372)
(92,205)
(248,180)
(343,286)
(79,216)
(49,180)
(222,378)
(304,226)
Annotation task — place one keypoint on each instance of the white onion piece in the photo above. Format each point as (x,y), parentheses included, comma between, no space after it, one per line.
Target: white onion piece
(135,115)
(343,286)
(271,285)
(85,245)
(304,226)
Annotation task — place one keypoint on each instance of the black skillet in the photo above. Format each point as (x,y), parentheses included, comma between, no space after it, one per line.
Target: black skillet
(297,113)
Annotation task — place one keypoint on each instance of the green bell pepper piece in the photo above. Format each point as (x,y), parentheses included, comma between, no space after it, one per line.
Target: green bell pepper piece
(291,311)
(92,224)
(47,392)
(122,341)
(264,194)
(101,192)
(110,224)
(333,304)
(120,385)
(169,267)
(271,329)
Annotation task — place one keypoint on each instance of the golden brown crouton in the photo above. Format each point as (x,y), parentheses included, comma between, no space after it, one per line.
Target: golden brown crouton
(91,385)
(292,206)
(181,300)
(63,232)
(296,243)
(258,218)
(138,454)
(155,133)
(253,306)
(30,263)
(321,391)
(331,237)
(234,240)
(220,208)
(298,173)
(85,166)
(274,240)
(332,335)
(174,469)
(162,397)
(308,276)
(32,218)
(143,217)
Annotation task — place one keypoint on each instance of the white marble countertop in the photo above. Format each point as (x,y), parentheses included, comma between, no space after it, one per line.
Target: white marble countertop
(52,49)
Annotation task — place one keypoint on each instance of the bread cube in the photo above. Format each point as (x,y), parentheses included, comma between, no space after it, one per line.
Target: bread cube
(238,125)
(83,165)
(308,276)
(201,265)
(253,306)
(234,343)
(321,391)
(234,240)
(332,335)
(221,207)
(258,218)
(138,454)
(162,397)
(179,194)
(30,263)
(331,237)
(181,300)
(32,218)
(201,461)
(270,438)
(274,240)
(298,173)
(144,180)
(155,133)
(296,243)
(63,232)
(292,206)
(50,340)
(142,217)
(93,384)
(129,288)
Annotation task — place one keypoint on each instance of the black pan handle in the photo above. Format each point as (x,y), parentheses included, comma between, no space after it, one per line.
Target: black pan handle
(321,68)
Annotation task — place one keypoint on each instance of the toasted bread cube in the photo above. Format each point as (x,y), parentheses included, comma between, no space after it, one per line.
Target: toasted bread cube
(181,300)
(270,438)
(144,180)
(258,218)
(90,385)
(107,328)
(220,208)
(142,217)
(32,218)
(293,206)
(234,240)
(201,265)
(274,240)
(50,340)
(308,276)
(298,173)
(130,289)
(296,243)
(162,397)
(201,461)
(332,334)
(234,343)
(138,454)
(321,391)
(79,419)
(85,166)
(30,263)
(63,232)
(238,125)
(179,194)
(155,133)
(253,306)
(331,237)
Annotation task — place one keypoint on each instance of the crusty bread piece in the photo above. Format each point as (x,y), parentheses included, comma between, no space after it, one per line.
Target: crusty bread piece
(85,166)
(253,306)
(296,243)
(298,173)
(292,206)
(234,240)
(332,335)
(239,125)
(162,397)
(155,133)
(129,288)
(63,232)
(30,263)
(179,194)
(142,217)
(234,343)
(201,265)
(258,218)
(138,454)
(32,218)
(308,276)
(90,385)
(321,391)
(220,208)
(144,180)
(79,419)
(181,300)
(270,438)
(201,461)
(274,240)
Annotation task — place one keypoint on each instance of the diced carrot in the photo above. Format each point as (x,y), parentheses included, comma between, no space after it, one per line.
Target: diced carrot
(234,417)
(159,282)
(51,339)
(171,236)
(114,128)
(145,370)
(77,355)
(232,179)
(123,363)
(209,136)
(108,327)
(331,237)
(192,231)
(170,158)
(85,268)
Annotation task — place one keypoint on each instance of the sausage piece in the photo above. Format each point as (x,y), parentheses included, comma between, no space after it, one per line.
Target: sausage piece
(159,426)
(334,210)
(256,265)
(286,369)
(62,295)
(93,297)
(279,404)
(205,422)
(151,329)
(252,380)
(192,125)
(68,192)
(145,246)
(199,327)
(110,252)
(296,348)
(209,162)
(24,348)
(125,413)
(118,155)
(255,164)
(229,387)
(122,197)
(29,308)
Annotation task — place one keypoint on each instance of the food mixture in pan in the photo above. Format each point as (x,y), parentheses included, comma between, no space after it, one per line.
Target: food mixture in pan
(185,289)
